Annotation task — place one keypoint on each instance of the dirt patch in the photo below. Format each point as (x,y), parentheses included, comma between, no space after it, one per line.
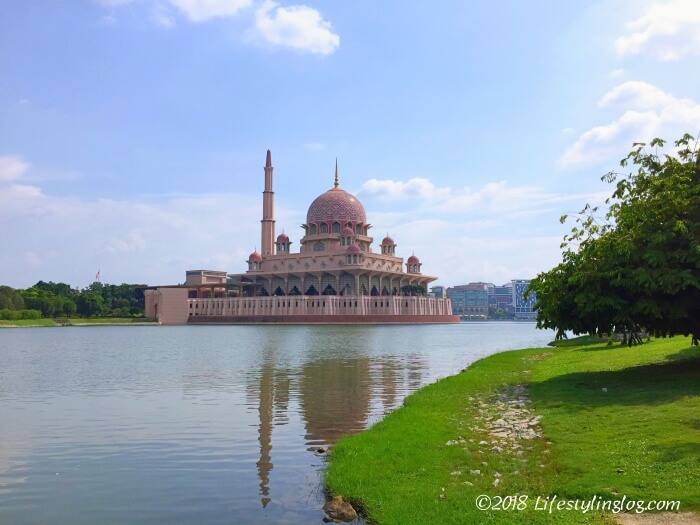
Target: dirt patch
(662,518)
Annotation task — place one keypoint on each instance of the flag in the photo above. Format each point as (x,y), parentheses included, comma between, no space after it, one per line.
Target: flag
(97,275)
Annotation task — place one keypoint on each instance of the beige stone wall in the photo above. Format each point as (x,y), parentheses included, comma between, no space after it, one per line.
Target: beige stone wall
(168,305)
(319,305)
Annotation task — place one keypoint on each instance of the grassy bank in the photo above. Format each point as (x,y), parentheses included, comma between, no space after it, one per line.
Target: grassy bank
(614,422)
(77,321)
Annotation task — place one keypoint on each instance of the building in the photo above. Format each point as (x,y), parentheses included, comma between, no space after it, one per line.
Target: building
(471,300)
(335,277)
(501,301)
(522,308)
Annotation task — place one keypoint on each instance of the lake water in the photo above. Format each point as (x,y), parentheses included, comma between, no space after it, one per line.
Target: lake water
(204,424)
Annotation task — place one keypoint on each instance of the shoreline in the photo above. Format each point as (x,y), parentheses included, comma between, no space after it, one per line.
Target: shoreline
(570,422)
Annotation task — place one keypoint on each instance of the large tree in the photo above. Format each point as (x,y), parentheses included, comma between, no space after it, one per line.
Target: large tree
(637,265)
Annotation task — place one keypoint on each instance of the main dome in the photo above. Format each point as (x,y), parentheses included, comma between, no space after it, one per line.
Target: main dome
(336,205)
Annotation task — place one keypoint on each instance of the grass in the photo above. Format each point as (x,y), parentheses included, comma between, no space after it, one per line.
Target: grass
(640,438)
(28,322)
(78,321)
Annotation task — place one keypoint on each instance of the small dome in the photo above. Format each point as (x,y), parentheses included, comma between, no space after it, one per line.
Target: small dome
(388,241)
(413,260)
(255,257)
(336,205)
(347,232)
(283,237)
(353,248)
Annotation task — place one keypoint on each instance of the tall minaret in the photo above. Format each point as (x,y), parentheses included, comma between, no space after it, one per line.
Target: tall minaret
(268,220)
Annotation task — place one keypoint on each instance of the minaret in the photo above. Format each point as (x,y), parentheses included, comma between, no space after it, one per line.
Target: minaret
(268,220)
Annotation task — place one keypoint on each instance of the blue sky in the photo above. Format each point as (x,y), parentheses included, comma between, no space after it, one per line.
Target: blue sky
(133,132)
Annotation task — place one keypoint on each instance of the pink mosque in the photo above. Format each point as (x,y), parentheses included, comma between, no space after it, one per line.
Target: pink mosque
(336,277)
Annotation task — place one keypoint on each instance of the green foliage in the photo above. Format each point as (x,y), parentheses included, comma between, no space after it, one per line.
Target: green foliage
(638,266)
(413,289)
(60,300)
(15,315)
(10,298)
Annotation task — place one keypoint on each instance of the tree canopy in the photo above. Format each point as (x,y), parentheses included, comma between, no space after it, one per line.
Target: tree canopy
(636,267)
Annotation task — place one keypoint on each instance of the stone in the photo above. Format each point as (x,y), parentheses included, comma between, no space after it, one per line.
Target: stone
(339,509)
(475,472)
(496,482)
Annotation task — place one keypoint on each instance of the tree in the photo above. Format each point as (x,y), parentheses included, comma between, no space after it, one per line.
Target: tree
(10,299)
(638,266)
(89,303)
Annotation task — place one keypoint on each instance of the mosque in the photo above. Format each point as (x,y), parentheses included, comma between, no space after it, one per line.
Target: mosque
(336,277)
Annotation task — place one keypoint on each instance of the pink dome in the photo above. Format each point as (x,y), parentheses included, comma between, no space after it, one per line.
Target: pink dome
(388,241)
(255,257)
(353,248)
(347,232)
(413,260)
(282,237)
(336,205)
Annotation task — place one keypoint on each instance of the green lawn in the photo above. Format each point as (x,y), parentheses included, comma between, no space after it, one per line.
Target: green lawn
(78,321)
(640,438)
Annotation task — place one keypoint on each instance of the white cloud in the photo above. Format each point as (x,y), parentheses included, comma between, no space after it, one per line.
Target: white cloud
(648,112)
(617,73)
(202,10)
(12,167)
(391,189)
(667,30)
(162,16)
(493,196)
(298,27)
(314,146)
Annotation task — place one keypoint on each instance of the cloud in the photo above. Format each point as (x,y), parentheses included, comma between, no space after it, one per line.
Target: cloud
(314,146)
(389,189)
(202,10)
(647,112)
(12,168)
(667,30)
(493,196)
(162,16)
(298,27)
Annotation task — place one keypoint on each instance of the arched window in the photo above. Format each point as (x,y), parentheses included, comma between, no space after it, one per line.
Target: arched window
(313,229)
(336,227)
(319,246)
(324,228)
(358,229)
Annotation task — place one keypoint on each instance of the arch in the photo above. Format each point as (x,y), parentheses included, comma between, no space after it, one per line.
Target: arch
(313,229)
(324,227)
(358,229)
(311,290)
(329,290)
(319,246)
(335,228)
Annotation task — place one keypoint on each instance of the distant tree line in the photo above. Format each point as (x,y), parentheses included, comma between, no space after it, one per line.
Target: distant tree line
(60,300)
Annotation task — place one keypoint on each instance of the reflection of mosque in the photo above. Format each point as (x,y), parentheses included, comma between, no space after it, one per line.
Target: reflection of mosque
(337,397)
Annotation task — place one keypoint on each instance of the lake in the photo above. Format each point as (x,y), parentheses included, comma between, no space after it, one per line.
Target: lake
(205,424)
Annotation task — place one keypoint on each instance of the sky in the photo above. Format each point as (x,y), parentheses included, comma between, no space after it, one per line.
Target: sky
(133,133)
